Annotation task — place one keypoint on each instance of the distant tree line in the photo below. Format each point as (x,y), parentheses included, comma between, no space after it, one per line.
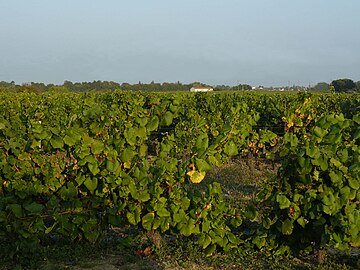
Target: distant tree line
(339,86)
(69,86)
(232,88)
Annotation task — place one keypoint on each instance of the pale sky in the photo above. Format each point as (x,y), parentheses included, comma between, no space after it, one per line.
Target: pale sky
(260,42)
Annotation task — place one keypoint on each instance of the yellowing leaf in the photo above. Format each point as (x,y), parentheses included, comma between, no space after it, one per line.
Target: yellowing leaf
(127,164)
(196,176)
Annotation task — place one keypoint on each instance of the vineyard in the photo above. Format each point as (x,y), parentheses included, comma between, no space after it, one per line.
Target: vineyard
(76,164)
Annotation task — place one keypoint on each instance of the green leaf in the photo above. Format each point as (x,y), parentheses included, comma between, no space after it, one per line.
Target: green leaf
(34,208)
(57,142)
(97,147)
(87,159)
(287,227)
(319,132)
(2,126)
(157,223)
(344,155)
(180,216)
(73,136)
(251,212)
(133,190)
(130,136)
(165,224)
(355,168)
(134,217)
(147,221)
(232,238)
(323,164)
(162,212)
(69,140)
(143,150)
(142,121)
(259,241)
(141,133)
(291,138)
(312,151)
(354,183)
(185,203)
(230,148)
(165,148)
(174,107)
(49,229)
(206,241)
(302,221)
(68,192)
(144,196)
(356,118)
(202,141)
(336,162)
(188,228)
(329,199)
(112,166)
(282,250)
(297,197)
(91,184)
(131,218)
(330,204)
(94,168)
(336,178)
(236,221)
(210,249)
(345,194)
(356,134)
(43,135)
(153,124)
(168,118)
(283,201)
(127,154)
(202,165)
(214,160)
(80,179)
(205,225)
(16,209)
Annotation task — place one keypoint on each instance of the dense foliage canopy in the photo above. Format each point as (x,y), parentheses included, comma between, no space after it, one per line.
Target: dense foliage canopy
(76,163)
(343,85)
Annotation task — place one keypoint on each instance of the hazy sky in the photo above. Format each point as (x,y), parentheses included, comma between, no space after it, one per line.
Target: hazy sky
(260,42)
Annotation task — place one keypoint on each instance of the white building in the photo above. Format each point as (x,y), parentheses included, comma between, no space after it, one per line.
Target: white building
(201,89)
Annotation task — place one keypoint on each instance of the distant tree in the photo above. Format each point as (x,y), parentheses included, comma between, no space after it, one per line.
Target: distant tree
(176,86)
(41,87)
(343,85)
(243,87)
(6,84)
(321,86)
(126,86)
(58,89)
(197,84)
(69,85)
(222,88)
(91,86)
(358,86)
(155,87)
(30,88)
